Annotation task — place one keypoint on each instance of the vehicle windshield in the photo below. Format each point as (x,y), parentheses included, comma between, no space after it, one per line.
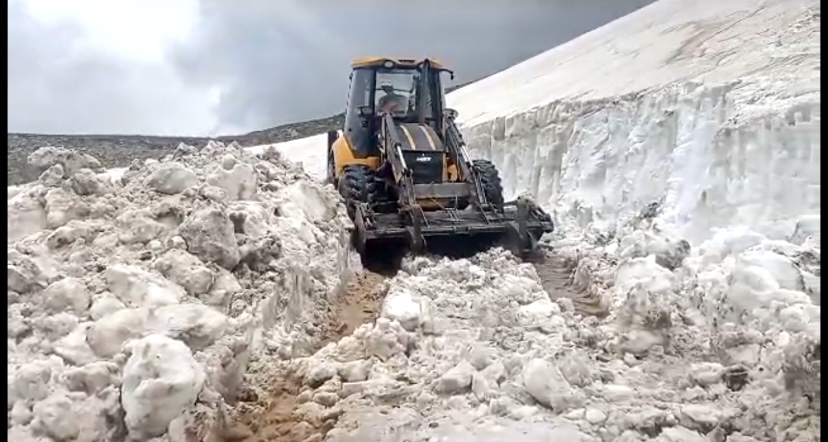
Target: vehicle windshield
(395,91)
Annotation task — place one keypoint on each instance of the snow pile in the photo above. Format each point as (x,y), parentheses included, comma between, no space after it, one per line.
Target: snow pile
(134,303)
(475,350)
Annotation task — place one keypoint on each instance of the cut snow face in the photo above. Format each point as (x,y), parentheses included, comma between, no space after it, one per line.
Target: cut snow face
(136,301)
(710,109)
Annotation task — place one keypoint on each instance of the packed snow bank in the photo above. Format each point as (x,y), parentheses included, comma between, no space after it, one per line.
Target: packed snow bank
(135,301)
(710,107)
(310,152)
(472,350)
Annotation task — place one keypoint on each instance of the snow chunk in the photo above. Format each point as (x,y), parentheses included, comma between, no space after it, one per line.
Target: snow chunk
(185,270)
(171,178)
(138,227)
(62,207)
(161,379)
(456,380)
(779,267)
(238,180)
(402,305)
(196,325)
(549,386)
(319,373)
(55,416)
(209,235)
(26,216)
(302,199)
(86,182)
(104,305)
(106,335)
(70,160)
(67,294)
(669,253)
(136,287)
(31,381)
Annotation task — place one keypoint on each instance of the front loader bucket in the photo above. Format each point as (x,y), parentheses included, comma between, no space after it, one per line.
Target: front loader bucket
(383,239)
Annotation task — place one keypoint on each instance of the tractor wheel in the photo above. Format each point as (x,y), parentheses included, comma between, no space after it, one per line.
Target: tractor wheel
(360,184)
(353,186)
(490,179)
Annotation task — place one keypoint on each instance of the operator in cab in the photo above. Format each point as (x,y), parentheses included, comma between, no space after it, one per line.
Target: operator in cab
(391,102)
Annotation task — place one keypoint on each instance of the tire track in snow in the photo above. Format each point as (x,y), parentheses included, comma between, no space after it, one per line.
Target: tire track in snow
(557,275)
(283,419)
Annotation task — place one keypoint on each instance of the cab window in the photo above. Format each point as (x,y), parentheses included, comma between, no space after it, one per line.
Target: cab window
(395,91)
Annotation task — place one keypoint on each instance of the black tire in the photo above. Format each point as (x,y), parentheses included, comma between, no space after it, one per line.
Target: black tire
(359,184)
(490,178)
(353,185)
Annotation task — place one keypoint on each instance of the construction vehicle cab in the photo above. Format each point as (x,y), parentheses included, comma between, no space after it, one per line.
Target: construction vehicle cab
(408,90)
(402,167)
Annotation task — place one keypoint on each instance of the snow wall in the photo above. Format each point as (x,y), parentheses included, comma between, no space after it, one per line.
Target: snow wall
(711,109)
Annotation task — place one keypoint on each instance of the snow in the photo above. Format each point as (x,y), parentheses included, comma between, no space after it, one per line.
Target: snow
(136,300)
(678,149)
(310,152)
(305,151)
(667,42)
(500,359)
(161,379)
(709,108)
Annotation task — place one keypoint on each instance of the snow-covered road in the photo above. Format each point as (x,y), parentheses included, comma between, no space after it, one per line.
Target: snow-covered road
(678,148)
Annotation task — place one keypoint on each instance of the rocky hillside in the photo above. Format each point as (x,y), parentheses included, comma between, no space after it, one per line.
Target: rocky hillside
(120,150)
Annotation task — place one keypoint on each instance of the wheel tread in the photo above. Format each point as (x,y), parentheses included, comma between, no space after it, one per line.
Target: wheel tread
(492,184)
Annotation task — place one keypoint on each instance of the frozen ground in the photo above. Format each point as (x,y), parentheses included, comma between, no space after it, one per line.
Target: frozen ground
(678,148)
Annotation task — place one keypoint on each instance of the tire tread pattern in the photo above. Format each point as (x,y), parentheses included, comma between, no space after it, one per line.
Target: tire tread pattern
(492,185)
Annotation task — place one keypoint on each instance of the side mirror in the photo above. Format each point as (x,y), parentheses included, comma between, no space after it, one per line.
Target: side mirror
(365,111)
(451,114)
(451,75)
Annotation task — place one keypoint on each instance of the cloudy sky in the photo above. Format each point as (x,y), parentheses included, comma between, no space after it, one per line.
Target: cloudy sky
(199,67)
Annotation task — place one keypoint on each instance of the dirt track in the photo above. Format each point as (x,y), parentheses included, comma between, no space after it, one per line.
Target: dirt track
(557,275)
(283,420)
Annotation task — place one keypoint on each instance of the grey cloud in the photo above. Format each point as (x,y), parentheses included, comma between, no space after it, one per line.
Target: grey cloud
(284,61)
(273,61)
(57,84)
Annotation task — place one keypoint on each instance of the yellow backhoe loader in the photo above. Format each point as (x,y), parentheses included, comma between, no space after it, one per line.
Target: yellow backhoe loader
(406,176)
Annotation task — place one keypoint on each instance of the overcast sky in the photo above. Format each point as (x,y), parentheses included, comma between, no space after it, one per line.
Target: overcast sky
(199,67)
